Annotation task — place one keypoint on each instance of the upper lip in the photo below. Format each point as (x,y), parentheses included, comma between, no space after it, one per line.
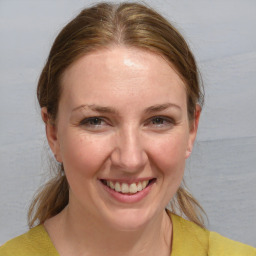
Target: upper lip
(128,181)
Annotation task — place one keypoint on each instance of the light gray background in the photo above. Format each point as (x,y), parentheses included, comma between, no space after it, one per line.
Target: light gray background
(221,173)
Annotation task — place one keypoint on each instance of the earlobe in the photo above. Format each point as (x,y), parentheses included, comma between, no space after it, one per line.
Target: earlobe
(188,153)
(193,130)
(51,134)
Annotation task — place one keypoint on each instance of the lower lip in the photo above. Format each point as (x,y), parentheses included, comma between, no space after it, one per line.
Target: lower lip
(128,198)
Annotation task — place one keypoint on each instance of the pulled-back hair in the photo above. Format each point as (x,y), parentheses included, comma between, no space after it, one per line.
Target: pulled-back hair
(98,27)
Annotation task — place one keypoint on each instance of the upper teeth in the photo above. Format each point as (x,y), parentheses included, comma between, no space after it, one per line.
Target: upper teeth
(126,188)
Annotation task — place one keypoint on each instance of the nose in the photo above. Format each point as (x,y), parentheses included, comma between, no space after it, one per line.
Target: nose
(129,154)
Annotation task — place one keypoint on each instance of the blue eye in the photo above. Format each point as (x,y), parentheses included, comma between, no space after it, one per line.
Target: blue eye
(93,122)
(161,122)
(158,120)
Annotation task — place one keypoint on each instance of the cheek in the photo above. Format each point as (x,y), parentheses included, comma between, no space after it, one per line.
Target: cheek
(169,154)
(83,155)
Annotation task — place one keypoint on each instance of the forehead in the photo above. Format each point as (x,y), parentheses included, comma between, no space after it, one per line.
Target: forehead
(121,72)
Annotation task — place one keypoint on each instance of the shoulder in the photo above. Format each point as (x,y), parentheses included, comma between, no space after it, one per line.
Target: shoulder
(222,246)
(190,239)
(35,242)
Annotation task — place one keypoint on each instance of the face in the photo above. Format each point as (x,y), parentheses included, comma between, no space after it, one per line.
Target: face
(122,134)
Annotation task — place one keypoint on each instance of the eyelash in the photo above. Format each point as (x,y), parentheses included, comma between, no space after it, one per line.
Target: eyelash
(165,121)
(96,122)
(87,121)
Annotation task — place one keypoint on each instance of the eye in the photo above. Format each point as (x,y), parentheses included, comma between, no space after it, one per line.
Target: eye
(160,122)
(93,122)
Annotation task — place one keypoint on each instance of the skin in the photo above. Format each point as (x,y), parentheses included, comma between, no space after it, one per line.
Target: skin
(142,131)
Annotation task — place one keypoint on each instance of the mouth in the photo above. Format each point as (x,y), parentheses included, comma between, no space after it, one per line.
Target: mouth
(128,188)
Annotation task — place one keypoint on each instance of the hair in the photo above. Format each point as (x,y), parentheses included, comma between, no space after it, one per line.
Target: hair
(100,26)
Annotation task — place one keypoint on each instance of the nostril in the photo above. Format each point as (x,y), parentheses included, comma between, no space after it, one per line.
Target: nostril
(128,154)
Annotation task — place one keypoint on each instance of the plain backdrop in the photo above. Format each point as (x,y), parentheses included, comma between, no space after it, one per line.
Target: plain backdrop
(222,170)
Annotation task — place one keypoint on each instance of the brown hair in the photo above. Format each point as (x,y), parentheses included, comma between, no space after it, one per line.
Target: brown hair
(102,25)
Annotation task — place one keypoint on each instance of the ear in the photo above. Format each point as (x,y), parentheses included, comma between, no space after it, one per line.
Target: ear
(193,130)
(51,134)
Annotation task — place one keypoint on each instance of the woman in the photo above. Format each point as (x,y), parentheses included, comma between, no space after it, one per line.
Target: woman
(121,101)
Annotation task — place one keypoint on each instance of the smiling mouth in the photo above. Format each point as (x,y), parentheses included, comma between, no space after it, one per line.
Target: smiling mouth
(126,188)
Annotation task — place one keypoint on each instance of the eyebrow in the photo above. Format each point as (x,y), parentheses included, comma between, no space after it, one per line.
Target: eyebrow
(109,110)
(96,108)
(161,107)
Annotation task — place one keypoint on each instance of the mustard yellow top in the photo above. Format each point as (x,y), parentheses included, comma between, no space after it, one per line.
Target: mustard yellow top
(188,240)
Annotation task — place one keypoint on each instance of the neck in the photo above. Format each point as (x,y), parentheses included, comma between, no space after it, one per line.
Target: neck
(88,236)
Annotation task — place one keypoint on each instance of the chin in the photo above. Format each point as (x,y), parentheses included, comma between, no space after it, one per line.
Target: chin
(129,219)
